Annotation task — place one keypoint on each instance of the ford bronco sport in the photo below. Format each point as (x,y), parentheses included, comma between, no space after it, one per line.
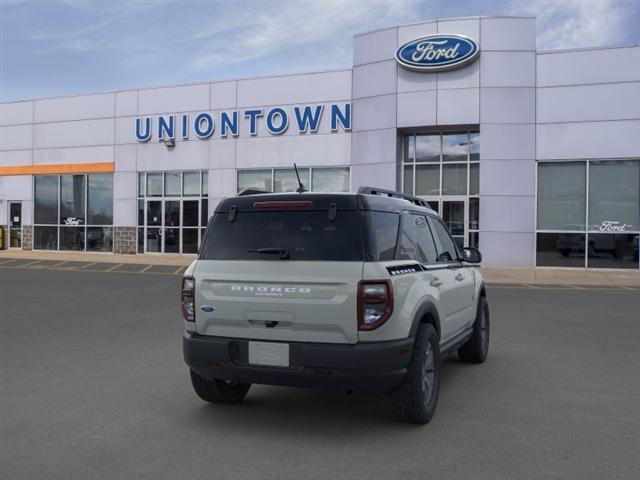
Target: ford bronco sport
(363,291)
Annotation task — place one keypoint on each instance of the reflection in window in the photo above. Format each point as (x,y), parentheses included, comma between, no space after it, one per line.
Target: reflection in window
(285,180)
(154,184)
(330,180)
(100,200)
(172,185)
(560,249)
(561,196)
(427,148)
(612,251)
(614,195)
(254,180)
(72,196)
(455,147)
(191,183)
(45,209)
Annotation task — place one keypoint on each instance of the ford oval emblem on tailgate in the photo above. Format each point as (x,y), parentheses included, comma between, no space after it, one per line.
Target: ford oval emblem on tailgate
(207,308)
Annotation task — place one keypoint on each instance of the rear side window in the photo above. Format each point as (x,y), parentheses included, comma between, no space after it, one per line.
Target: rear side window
(304,235)
(383,228)
(447,251)
(416,241)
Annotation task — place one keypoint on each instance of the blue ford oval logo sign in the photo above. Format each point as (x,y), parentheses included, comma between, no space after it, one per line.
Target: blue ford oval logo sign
(436,53)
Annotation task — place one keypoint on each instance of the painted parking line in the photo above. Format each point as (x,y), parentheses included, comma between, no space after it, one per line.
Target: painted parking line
(145,269)
(179,270)
(4,262)
(26,265)
(60,264)
(115,267)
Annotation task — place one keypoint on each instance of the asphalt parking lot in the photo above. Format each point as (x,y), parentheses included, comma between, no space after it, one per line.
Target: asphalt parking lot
(93,386)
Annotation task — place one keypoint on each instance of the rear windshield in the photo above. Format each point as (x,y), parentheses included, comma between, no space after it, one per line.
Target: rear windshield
(290,235)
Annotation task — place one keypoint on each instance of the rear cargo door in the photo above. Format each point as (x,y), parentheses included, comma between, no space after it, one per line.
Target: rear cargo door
(278,300)
(284,270)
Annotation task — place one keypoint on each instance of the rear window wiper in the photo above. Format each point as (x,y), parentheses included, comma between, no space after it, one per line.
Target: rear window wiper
(283,252)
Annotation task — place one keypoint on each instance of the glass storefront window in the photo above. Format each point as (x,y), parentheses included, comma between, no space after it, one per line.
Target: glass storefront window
(45,238)
(409,148)
(407,179)
(330,179)
(474,146)
(427,148)
(474,214)
(613,250)
(154,185)
(614,196)
(285,180)
(45,209)
(85,221)
(141,181)
(172,184)
(427,179)
(191,183)
(72,200)
(190,213)
(99,239)
(560,249)
(254,180)
(455,147)
(100,200)
(205,184)
(561,196)
(454,179)
(72,238)
(474,179)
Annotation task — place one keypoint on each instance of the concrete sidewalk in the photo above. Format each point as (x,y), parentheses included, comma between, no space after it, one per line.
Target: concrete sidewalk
(530,276)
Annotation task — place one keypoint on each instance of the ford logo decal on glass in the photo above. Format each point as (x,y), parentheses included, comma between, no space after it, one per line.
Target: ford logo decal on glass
(436,53)
(207,308)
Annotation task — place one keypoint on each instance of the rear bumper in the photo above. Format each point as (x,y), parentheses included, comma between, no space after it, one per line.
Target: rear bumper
(372,367)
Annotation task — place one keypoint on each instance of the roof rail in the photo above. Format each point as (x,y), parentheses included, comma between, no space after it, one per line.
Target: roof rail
(391,193)
(252,191)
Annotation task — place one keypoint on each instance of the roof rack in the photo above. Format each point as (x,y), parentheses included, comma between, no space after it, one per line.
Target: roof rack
(390,193)
(252,191)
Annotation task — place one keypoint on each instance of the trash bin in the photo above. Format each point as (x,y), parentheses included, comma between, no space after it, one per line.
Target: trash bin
(1,237)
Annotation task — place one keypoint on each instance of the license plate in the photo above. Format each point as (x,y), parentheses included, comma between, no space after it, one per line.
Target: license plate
(268,353)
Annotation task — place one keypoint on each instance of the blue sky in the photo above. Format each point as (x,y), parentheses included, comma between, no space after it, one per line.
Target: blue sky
(54,48)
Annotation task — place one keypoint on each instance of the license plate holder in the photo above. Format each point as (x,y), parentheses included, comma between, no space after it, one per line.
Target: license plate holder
(269,354)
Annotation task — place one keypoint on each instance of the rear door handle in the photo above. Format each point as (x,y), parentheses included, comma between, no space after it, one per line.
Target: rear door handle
(436,282)
(459,277)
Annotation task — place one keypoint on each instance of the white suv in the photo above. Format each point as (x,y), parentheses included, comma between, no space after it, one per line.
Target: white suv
(363,291)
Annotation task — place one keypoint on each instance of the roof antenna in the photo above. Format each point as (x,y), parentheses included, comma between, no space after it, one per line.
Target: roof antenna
(301,188)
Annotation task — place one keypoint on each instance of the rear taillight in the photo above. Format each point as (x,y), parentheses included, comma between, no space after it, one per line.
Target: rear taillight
(375,303)
(188,299)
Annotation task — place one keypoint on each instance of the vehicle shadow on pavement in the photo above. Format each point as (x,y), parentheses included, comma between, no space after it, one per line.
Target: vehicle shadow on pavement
(325,412)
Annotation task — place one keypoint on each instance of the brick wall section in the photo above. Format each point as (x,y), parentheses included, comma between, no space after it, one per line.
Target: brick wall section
(27,237)
(124,240)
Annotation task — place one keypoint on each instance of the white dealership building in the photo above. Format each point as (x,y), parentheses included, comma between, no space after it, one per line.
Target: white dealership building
(533,156)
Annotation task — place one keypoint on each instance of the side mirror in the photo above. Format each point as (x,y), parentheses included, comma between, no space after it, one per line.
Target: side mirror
(471,255)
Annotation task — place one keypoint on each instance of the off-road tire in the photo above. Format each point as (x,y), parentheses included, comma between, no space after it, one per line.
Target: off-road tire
(218,391)
(475,349)
(414,401)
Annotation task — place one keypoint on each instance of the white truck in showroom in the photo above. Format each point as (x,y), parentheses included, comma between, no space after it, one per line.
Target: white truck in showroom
(358,291)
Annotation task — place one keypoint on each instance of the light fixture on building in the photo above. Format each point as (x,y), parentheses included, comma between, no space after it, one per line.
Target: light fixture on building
(169,142)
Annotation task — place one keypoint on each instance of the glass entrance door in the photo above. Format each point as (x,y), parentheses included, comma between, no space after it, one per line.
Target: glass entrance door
(171,225)
(15,225)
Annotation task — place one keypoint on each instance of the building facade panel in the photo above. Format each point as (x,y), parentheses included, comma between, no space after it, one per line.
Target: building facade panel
(588,103)
(82,107)
(16,113)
